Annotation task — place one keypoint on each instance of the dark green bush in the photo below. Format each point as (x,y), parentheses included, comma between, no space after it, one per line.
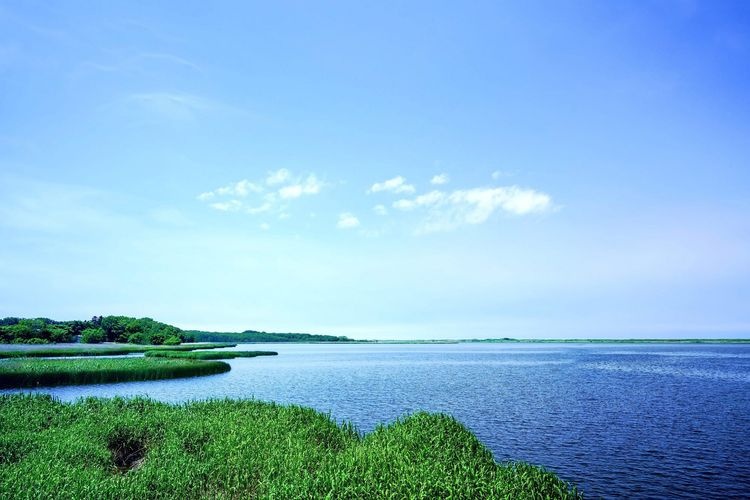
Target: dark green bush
(92,336)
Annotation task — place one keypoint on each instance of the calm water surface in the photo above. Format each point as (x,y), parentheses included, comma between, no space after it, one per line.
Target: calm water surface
(617,420)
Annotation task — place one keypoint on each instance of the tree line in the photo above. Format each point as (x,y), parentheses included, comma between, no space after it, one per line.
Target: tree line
(252,336)
(98,329)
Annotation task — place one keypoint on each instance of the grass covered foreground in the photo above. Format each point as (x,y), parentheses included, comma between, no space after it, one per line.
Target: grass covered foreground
(105,351)
(138,448)
(208,354)
(49,372)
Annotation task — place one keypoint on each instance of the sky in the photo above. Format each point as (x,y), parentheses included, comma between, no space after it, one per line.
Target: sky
(379,169)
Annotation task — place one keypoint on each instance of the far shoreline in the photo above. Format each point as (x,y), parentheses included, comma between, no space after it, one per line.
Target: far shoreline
(104,346)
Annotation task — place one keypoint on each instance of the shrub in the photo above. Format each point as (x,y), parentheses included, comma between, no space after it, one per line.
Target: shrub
(37,340)
(173,340)
(33,340)
(137,338)
(92,336)
(157,339)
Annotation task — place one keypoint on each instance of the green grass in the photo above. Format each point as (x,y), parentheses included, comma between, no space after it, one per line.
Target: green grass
(209,354)
(140,449)
(49,372)
(105,351)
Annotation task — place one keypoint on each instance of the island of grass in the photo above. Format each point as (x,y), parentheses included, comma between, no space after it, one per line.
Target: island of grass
(19,373)
(139,448)
(208,354)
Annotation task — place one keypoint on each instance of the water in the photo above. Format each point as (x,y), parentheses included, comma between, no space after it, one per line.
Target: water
(617,420)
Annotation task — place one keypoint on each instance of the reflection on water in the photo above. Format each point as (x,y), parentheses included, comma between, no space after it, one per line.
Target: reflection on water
(629,421)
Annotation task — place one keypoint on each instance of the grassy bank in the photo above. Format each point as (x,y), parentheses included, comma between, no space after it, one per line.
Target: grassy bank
(116,448)
(208,354)
(50,372)
(46,352)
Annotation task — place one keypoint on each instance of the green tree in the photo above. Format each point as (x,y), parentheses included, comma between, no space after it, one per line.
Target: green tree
(93,336)
(173,340)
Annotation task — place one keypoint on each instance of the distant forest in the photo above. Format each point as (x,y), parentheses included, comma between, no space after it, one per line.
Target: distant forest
(252,336)
(129,330)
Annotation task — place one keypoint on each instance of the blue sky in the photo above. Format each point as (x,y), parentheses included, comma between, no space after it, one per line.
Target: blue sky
(379,169)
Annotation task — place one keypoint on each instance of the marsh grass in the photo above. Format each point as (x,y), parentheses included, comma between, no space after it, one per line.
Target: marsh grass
(208,354)
(105,351)
(51,372)
(138,448)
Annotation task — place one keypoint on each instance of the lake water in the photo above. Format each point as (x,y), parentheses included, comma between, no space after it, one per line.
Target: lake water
(617,420)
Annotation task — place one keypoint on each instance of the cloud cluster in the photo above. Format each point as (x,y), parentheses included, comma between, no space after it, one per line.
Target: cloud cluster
(437,209)
(440,179)
(396,185)
(347,221)
(449,210)
(268,195)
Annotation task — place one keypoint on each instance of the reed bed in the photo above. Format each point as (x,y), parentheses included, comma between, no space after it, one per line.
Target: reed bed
(208,354)
(18,373)
(142,449)
(106,351)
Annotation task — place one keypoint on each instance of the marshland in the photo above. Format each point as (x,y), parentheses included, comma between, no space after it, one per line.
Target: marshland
(139,448)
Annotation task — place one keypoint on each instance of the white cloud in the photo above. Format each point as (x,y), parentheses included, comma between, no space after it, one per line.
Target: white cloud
(440,179)
(265,226)
(227,206)
(278,177)
(446,211)
(423,200)
(232,197)
(244,187)
(380,210)
(293,191)
(396,185)
(497,174)
(238,189)
(241,188)
(347,221)
(265,207)
(311,185)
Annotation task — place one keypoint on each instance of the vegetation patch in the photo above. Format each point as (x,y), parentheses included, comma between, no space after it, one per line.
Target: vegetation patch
(238,449)
(51,372)
(105,351)
(209,354)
